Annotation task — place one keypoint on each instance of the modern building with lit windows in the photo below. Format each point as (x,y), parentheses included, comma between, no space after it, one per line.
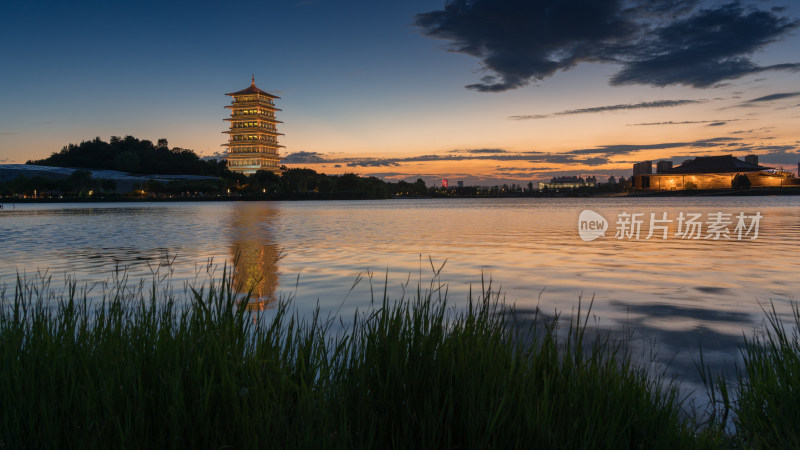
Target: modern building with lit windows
(713,172)
(253,134)
(571,182)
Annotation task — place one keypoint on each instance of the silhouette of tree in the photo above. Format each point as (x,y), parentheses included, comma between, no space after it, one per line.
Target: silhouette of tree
(740,181)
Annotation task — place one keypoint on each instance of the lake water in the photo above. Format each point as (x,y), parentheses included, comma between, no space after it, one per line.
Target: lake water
(678,293)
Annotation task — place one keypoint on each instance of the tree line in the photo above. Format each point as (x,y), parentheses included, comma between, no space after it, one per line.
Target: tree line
(79,184)
(132,155)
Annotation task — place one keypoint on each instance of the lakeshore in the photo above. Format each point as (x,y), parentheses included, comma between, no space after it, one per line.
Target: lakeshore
(436,194)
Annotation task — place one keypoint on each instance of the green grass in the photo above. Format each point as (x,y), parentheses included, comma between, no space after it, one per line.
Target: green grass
(764,399)
(142,369)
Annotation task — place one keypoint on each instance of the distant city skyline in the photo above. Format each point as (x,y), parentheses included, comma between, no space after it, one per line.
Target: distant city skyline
(486,92)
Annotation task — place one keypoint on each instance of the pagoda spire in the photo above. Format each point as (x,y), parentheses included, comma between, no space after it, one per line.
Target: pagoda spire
(253,80)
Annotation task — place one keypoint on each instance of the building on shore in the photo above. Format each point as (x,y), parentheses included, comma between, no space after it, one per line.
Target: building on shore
(253,134)
(123,182)
(663,166)
(569,183)
(713,172)
(643,168)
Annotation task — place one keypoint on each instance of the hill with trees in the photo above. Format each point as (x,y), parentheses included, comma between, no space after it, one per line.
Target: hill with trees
(135,156)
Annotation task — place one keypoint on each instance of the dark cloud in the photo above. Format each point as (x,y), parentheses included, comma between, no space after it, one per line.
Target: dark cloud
(625,149)
(594,157)
(530,116)
(771,97)
(705,48)
(479,151)
(486,151)
(529,170)
(716,124)
(372,163)
(424,158)
(622,107)
(685,122)
(713,142)
(304,158)
(560,158)
(778,154)
(656,42)
(770,155)
(654,104)
(524,40)
(493,155)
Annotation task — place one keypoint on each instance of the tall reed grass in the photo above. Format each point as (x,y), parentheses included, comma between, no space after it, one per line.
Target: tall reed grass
(139,369)
(763,399)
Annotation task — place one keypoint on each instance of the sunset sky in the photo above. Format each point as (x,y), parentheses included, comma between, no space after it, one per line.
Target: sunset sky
(482,91)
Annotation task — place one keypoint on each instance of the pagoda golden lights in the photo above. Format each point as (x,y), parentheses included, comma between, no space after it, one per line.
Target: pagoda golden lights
(253,134)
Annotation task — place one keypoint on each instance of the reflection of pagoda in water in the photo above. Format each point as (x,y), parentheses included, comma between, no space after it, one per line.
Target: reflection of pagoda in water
(254,252)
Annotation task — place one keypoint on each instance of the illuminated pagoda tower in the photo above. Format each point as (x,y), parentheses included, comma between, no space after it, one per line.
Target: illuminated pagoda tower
(253,135)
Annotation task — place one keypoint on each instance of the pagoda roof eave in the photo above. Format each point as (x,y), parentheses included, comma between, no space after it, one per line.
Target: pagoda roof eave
(270,107)
(252,90)
(240,131)
(254,144)
(243,118)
